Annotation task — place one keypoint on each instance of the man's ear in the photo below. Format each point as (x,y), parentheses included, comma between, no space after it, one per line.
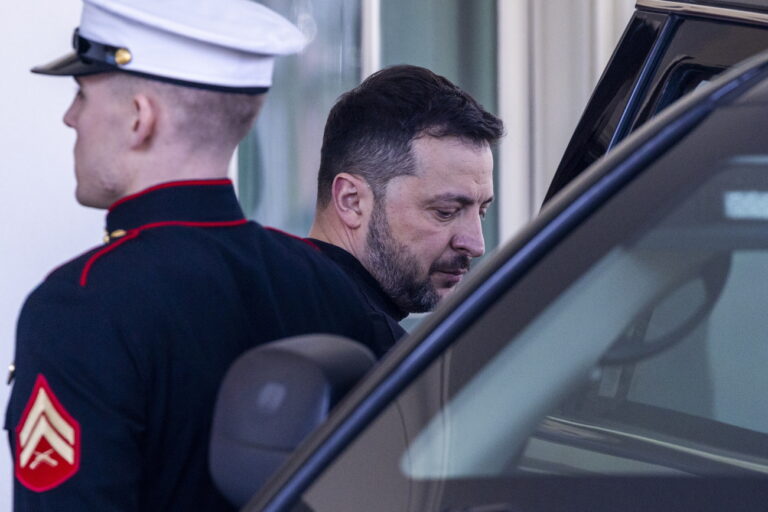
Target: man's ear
(143,120)
(351,199)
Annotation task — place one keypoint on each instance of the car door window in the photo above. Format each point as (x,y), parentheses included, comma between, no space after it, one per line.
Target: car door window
(692,50)
(635,347)
(596,130)
(687,61)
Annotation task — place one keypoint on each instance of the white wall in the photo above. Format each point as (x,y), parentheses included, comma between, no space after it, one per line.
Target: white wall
(42,225)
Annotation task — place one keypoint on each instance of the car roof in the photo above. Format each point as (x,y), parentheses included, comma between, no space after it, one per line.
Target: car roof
(753,11)
(759,5)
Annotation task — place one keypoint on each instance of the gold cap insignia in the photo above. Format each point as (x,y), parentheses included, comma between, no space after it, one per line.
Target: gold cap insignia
(123,57)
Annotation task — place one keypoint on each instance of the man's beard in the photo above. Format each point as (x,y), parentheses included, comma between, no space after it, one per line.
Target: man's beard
(397,270)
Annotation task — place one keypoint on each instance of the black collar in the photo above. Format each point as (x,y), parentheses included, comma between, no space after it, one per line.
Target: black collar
(371,287)
(198,201)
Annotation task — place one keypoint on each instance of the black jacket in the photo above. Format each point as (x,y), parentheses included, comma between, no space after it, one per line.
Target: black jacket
(384,313)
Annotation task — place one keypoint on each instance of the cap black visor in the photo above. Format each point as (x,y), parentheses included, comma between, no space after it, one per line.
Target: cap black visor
(73,65)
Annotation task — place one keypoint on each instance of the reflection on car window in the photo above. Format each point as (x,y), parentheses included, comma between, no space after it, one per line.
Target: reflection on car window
(697,405)
(637,346)
(678,79)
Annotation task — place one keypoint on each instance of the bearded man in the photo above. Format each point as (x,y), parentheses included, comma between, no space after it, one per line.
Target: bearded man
(405,180)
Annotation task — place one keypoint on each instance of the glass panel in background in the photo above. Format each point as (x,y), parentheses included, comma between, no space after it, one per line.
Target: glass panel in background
(453,38)
(456,39)
(278,161)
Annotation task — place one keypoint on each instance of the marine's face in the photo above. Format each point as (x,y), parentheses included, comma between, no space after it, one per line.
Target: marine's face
(98,116)
(419,245)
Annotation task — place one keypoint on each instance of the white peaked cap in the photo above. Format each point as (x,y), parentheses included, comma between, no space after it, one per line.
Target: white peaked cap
(217,44)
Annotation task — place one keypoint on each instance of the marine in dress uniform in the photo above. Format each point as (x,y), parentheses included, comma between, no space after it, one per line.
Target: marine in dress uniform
(120,351)
(383,312)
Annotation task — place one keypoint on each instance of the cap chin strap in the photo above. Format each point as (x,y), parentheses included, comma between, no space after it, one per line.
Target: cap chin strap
(89,50)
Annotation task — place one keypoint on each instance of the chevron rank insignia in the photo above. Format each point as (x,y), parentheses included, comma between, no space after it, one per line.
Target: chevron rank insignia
(47,441)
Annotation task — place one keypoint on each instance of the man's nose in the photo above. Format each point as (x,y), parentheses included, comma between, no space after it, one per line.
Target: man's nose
(69,116)
(469,238)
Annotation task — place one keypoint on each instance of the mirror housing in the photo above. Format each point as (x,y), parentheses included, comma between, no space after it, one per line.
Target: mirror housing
(271,398)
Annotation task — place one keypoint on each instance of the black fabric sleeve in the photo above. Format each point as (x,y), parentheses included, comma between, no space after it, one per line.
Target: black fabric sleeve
(66,337)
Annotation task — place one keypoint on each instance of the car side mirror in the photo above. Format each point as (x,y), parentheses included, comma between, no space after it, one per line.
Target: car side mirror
(271,398)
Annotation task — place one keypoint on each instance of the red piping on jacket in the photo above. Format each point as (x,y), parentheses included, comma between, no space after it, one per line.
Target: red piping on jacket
(133,233)
(170,184)
(285,233)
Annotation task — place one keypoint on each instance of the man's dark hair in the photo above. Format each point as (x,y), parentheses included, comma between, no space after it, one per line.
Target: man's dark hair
(370,129)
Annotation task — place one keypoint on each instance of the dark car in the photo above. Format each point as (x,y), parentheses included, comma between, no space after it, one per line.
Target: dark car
(611,357)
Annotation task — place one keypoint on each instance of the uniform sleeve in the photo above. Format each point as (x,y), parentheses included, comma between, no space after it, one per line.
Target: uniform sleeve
(75,416)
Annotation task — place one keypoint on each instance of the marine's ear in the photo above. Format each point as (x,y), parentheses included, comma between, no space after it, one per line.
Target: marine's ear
(351,199)
(144,115)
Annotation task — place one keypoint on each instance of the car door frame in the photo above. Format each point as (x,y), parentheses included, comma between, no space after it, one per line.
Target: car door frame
(593,127)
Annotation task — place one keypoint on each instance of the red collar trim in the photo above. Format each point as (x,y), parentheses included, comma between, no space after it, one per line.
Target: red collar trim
(289,235)
(133,233)
(170,184)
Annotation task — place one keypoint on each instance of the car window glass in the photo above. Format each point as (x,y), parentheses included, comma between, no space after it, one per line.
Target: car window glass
(686,61)
(680,79)
(635,347)
(698,50)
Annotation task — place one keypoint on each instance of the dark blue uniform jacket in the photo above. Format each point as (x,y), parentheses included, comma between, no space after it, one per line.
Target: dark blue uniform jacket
(120,352)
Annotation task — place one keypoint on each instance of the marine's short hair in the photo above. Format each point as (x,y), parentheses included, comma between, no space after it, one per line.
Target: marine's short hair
(370,129)
(201,117)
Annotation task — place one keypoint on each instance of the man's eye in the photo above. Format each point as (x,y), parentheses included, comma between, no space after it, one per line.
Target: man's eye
(445,214)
